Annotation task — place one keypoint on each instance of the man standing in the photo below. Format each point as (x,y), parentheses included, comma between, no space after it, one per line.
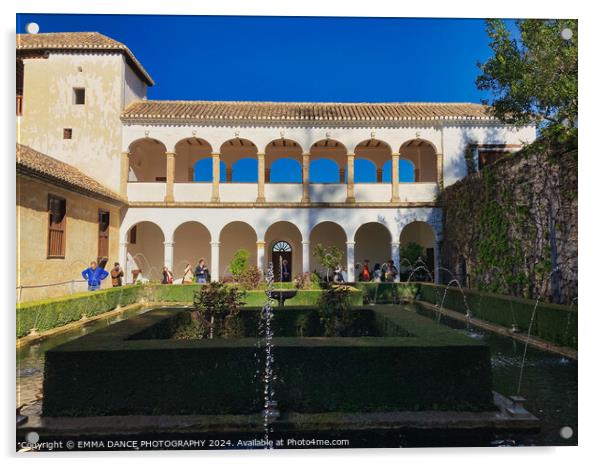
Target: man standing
(116,275)
(95,275)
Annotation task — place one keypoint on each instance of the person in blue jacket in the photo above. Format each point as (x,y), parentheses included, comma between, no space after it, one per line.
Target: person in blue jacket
(95,275)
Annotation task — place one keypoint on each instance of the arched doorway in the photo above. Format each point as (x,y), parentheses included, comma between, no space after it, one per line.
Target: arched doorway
(282,258)
(235,236)
(418,239)
(145,252)
(372,244)
(327,234)
(284,237)
(423,155)
(147,161)
(191,243)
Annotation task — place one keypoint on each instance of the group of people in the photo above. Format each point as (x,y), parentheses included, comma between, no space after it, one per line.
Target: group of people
(387,272)
(200,274)
(96,273)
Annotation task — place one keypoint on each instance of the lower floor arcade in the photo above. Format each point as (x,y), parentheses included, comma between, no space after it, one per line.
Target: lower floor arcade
(153,238)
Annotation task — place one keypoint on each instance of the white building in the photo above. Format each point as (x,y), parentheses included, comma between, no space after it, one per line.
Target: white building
(171,219)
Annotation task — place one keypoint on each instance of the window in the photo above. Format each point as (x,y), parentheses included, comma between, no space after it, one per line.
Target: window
(79,96)
(103,235)
(133,233)
(67,133)
(281,246)
(57,209)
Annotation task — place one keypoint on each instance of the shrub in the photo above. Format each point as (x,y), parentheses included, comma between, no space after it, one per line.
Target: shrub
(249,279)
(328,256)
(412,252)
(303,281)
(217,305)
(239,263)
(334,307)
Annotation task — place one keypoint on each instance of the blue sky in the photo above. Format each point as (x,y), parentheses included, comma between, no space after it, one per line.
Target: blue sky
(296,59)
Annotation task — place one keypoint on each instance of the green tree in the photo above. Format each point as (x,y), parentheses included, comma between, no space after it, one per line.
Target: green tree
(411,252)
(239,264)
(328,257)
(532,75)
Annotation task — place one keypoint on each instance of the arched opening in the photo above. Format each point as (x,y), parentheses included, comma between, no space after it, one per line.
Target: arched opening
(145,252)
(189,152)
(417,247)
(244,171)
(364,171)
(376,151)
(148,163)
(324,155)
(233,237)
(324,171)
(283,161)
(192,242)
(285,170)
(406,171)
(203,171)
(327,234)
(275,238)
(423,155)
(234,150)
(372,246)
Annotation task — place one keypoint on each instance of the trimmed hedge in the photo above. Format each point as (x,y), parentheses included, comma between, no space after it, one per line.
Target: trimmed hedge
(387,293)
(553,322)
(51,313)
(109,373)
(55,312)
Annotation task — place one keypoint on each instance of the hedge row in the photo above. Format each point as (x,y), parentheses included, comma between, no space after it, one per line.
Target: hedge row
(434,368)
(553,322)
(55,312)
(387,293)
(51,313)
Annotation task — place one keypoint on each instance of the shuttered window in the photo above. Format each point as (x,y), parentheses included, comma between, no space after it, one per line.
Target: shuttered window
(57,219)
(103,235)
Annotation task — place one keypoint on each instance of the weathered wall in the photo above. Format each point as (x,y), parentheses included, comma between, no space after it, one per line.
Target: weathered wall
(33,266)
(512,221)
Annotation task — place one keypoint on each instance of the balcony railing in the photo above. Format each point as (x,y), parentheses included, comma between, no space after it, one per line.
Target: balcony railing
(281,192)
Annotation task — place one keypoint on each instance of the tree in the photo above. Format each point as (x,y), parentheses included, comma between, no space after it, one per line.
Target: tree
(532,76)
(328,257)
(411,252)
(239,263)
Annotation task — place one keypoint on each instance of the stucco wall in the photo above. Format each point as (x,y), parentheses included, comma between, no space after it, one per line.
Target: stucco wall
(33,268)
(48,108)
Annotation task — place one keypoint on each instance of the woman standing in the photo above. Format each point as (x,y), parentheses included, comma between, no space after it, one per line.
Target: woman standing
(167,276)
(201,272)
(188,275)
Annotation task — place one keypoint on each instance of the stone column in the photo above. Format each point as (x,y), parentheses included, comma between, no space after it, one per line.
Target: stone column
(171,174)
(261,257)
(229,174)
(341,175)
(306,256)
(168,255)
(395,256)
(123,260)
(215,261)
(216,176)
(260,178)
(440,170)
(395,178)
(350,178)
(379,175)
(305,165)
(125,172)
(351,261)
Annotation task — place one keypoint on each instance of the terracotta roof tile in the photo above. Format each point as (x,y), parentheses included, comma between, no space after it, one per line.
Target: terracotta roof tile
(299,112)
(34,163)
(80,41)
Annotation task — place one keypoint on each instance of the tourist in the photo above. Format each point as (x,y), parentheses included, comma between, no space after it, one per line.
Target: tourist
(167,276)
(365,273)
(286,274)
(391,271)
(338,275)
(94,275)
(188,275)
(376,273)
(116,275)
(201,272)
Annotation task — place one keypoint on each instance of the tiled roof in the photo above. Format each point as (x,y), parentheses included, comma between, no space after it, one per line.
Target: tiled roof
(299,112)
(79,41)
(34,163)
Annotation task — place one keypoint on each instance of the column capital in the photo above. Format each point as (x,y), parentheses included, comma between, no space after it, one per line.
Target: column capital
(305,242)
(126,153)
(260,154)
(215,154)
(395,154)
(350,243)
(215,243)
(395,243)
(124,244)
(351,155)
(261,243)
(168,243)
(170,154)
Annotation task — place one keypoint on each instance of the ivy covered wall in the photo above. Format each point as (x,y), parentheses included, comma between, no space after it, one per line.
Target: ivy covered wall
(515,222)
